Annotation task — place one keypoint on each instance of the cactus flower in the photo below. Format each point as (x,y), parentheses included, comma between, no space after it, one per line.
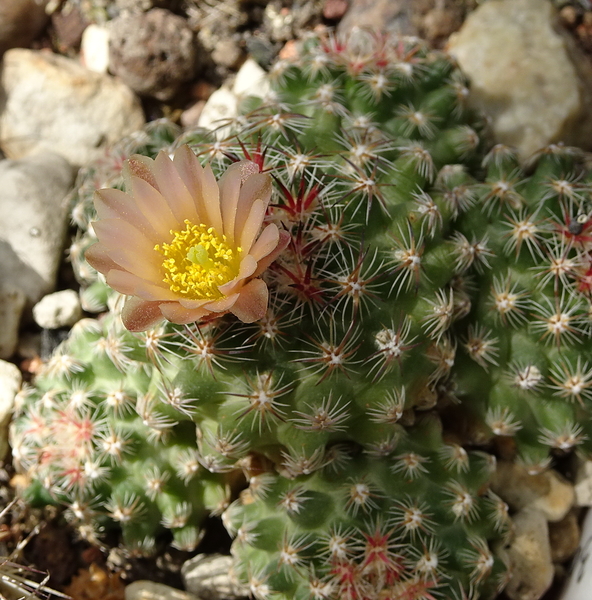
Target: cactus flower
(184,246)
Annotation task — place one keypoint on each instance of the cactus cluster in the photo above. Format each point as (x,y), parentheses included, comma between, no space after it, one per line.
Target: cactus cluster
(423,274)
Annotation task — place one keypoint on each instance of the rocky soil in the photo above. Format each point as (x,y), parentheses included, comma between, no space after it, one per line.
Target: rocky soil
(78,75)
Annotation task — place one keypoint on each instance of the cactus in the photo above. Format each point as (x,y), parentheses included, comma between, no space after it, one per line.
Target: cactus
(528,375)
(380,319)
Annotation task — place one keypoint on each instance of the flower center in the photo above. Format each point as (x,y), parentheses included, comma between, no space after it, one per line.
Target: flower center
(197,261)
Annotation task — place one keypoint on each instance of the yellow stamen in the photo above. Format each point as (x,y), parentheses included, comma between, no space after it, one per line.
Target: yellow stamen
(197,261)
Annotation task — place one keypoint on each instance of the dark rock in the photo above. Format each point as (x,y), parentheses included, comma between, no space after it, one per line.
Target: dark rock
(21,21)
(153,52)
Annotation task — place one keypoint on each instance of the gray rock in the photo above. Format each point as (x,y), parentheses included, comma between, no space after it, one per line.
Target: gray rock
(523,75)
(10,383)
(208,576)
(12,303)
(60,309)
(153,52)
(149,590)
(53,103)
(33,219)
(530,557)
(393,15)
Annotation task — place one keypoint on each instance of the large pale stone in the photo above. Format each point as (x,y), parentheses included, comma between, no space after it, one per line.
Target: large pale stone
(54,103)
(530,557)
(33,219)
(522,74)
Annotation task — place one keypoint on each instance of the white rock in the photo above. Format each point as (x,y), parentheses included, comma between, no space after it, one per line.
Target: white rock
(522,75)
(54,103)
(33,220)
(10,383)
(583,485)
(60,309)
(221,106)
(250,81)
(94,48)
(12,303)
(530,556)
(149,590)
(208,576)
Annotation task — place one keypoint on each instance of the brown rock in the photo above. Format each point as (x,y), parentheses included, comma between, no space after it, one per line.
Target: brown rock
(20,22)
(564,537)
(334,10)
(548,492)
(153,52)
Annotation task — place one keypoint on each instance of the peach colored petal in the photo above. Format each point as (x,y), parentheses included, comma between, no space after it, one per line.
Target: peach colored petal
(222,305)
(193,176)
(175,313)
(247,267)
(155,209)
(256,187)
(210,196)
(252,302)
(98,258)
(264,263)
(139,166)
(122,281)
(129,248)
(251,226)
(229,184)
(139,315)
(115,204)
(178,197)
(266,242)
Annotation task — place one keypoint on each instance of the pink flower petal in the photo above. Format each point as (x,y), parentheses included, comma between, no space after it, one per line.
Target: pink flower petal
(132,285)
(264,263)
(266,242)
(155,209)
(229,184)
(247,267)
(139,166)
(251,226)
(252,302)
(139,315)
(193,176)
(210,196)
(178,197)
(224,304)
(256,187)
(115,204)
(129,248)
(97,257)
(175,313)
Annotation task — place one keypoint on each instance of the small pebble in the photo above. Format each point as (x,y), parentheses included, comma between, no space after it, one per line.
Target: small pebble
(149,590)
(10,383)
(333,10)
(208,576)
(94,48)
(548,492)
(60,309)
(564,537)
(530,557)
